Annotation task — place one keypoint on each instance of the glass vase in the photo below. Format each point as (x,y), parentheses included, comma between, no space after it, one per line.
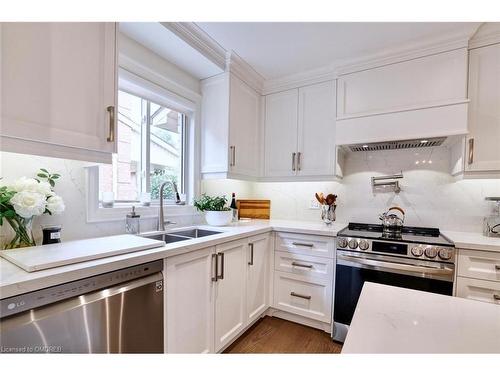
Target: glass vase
(23,233)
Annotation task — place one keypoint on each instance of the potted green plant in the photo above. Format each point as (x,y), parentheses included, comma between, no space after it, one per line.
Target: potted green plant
(216,211)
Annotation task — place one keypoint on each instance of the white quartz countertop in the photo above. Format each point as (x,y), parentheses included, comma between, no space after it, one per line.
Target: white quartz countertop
(473,241)
(388,319)
(14,280)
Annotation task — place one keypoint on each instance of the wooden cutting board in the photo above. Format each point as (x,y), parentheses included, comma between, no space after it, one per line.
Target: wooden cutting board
(254,208)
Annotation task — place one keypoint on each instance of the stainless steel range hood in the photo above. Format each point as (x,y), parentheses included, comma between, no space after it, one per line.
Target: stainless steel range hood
(397,145)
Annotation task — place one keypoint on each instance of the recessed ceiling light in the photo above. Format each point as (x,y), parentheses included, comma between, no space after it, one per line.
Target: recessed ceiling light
(365,146)
(424,141)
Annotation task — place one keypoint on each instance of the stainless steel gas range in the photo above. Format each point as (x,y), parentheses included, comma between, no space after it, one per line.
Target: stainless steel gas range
(414,258)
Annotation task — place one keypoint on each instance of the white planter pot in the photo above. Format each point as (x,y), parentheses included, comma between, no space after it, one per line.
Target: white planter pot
(218,218)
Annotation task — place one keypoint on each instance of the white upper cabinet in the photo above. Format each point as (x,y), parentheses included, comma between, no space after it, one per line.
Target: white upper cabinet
(421,97)
(483,140)
(244,115)
(316,130)
(230,128)
(300,132)
(281,134)
(58,89)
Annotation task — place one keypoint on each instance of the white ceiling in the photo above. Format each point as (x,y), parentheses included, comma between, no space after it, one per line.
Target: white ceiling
(163,42)
(279,49)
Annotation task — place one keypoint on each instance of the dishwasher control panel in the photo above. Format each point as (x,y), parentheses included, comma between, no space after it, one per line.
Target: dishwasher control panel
(27,301)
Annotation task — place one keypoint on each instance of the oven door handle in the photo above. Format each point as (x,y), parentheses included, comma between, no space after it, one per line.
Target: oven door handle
(443,271)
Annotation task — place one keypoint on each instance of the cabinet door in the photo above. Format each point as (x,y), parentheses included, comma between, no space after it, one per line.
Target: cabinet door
(230,300)
(243,128)
(189,302)
(483,150)
(281,133)
(316,130)
(214,124)
(258,276)
(57,81)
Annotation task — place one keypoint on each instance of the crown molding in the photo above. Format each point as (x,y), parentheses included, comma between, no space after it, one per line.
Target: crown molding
(488,33)
(310,77)
(193,35)
(244,71)
(404,53)
(386,57)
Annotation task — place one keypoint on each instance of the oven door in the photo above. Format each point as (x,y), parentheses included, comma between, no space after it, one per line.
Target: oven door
(354,268)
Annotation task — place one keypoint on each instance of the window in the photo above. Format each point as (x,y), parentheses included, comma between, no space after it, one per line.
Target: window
(151,148)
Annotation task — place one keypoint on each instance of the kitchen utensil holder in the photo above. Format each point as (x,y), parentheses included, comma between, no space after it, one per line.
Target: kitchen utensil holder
(328,213)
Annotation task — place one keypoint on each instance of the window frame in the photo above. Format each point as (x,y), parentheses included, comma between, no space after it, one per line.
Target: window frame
(190,107)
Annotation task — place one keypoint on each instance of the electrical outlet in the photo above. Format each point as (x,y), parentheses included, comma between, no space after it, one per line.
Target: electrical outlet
(314,204)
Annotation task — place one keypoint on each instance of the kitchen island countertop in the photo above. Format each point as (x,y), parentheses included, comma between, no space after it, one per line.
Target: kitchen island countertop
(388,319)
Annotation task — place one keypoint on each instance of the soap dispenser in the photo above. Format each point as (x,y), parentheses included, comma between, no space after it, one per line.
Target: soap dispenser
(132,224)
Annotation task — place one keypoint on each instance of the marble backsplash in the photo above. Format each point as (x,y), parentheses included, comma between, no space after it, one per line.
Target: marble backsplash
(72,187)
(429,194)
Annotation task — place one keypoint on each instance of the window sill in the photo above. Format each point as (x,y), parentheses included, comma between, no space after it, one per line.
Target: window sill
(98,214)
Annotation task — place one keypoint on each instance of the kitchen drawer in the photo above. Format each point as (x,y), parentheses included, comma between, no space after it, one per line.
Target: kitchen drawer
(479,290)
(303,265)
(482,265)
(305,244)
(302,295)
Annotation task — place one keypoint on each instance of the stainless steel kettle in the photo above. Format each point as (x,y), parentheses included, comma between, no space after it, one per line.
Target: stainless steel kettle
(391,222)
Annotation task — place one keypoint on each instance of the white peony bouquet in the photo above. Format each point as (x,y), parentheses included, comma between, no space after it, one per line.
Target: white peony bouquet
(25,199)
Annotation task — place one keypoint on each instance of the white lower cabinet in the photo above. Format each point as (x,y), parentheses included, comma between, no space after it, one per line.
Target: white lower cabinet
(306,296)
(478,275)
(230,291)
(479,290)
(258,276)
(189,302)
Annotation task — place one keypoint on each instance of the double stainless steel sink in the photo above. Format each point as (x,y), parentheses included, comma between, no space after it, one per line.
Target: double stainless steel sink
(181,235)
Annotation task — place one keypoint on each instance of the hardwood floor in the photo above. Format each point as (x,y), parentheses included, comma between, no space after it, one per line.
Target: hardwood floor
(274,335)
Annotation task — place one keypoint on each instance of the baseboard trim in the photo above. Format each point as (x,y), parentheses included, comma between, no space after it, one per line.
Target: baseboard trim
(327,327)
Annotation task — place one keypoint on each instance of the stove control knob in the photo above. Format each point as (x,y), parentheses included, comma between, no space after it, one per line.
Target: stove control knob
(431,252)
(417,251)
(353,243)
(342,242)
(445,254)
(364,244)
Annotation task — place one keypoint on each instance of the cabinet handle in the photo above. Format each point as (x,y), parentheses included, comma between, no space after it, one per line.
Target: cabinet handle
(497,267)
(496,297)
(293,294)
(214,259)
(230,156)
(299,156)
(470,158)
(302,244)
(295,264)
(251,255)
(234,156)
(221,276)
(293,161)
(111,134)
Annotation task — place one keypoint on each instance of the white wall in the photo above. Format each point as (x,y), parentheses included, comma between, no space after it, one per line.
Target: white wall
(430,195)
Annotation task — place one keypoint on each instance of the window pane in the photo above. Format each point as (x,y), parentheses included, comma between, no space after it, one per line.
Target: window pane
(123,176)
(165,149)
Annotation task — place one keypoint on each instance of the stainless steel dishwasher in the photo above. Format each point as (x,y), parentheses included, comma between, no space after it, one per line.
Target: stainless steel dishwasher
(115,312)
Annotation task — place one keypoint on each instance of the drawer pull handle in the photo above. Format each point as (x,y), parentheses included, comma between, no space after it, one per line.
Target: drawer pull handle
(293,294)
(295,264)
(302,244)
(497,267)
(496,297)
